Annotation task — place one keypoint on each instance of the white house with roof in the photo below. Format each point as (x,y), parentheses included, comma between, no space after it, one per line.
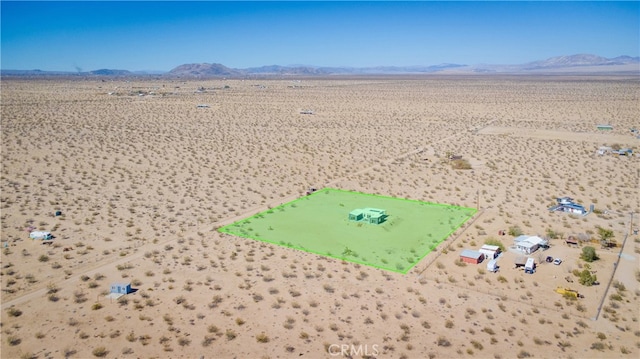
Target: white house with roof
(529,244)
(567,204)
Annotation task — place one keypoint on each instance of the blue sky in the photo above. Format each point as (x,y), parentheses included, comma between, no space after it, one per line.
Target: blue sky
(148,35)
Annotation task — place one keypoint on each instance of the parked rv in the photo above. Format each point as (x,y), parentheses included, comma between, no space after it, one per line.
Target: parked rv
(530,266)
(492,265)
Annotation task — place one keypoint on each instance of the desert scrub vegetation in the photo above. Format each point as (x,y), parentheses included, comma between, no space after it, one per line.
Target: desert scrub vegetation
(14,312)
(100,352)
(588,254)
(515,231)
(460,164)
(262,338)
(495,242)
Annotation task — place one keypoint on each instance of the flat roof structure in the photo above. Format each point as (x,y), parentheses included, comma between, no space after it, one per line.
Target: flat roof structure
(469,253)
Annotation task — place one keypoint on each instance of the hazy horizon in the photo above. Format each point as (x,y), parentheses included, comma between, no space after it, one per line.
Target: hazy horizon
(158,36)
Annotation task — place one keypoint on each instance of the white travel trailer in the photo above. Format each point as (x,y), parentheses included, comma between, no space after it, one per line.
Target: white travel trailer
(40,235)
(492,265)
(530,266)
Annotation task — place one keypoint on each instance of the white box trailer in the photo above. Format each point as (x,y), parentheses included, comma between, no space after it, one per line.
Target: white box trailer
(40,235)
(490,251)
(492,265)
(530,266)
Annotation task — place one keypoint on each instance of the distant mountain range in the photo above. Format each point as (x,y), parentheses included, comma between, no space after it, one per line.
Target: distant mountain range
(580,63)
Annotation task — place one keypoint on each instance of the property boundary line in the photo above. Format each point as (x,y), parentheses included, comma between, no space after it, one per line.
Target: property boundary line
(613,273)
(439,253)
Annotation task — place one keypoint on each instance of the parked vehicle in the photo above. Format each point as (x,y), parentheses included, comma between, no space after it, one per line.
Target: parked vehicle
(557,261)
(530,266)
(492,265)
(569,292)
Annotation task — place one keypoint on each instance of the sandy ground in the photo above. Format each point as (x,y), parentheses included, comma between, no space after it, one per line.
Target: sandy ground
(143,177)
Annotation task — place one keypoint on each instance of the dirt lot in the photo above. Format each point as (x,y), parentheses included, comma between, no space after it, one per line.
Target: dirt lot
(144,177)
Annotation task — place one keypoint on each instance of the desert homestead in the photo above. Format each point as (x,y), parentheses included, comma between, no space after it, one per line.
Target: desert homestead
(471,256)
(368,215)
(566,204)
(529,244)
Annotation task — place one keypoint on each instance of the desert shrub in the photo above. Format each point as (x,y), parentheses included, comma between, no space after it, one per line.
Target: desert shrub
(184,341)
(208,339)
(460,263)
(262,338)
(230,334)
(619,286)
(604,234)
(461,164)
(586,278)
(589,254)
(100,352)
(515,231)
(615,296)
(488,330)
(14,312)
(448,324)
(443,342)
(552,234)
(495,242)
(13,340)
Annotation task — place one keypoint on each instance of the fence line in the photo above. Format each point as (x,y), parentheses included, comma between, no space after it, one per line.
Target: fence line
(448,243)
(613,273)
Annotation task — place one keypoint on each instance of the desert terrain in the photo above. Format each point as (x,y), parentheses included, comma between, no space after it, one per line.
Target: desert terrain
(143,177)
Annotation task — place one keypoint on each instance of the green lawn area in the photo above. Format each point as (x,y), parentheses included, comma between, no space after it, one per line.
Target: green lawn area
(319,223)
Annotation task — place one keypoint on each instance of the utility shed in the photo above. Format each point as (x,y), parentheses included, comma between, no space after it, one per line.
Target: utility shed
(471,256)
(121,288)
(605,127)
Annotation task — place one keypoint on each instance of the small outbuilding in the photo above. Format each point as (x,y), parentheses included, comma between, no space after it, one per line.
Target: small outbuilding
(490,251)
(605,127)
(471,256)
(121,288)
